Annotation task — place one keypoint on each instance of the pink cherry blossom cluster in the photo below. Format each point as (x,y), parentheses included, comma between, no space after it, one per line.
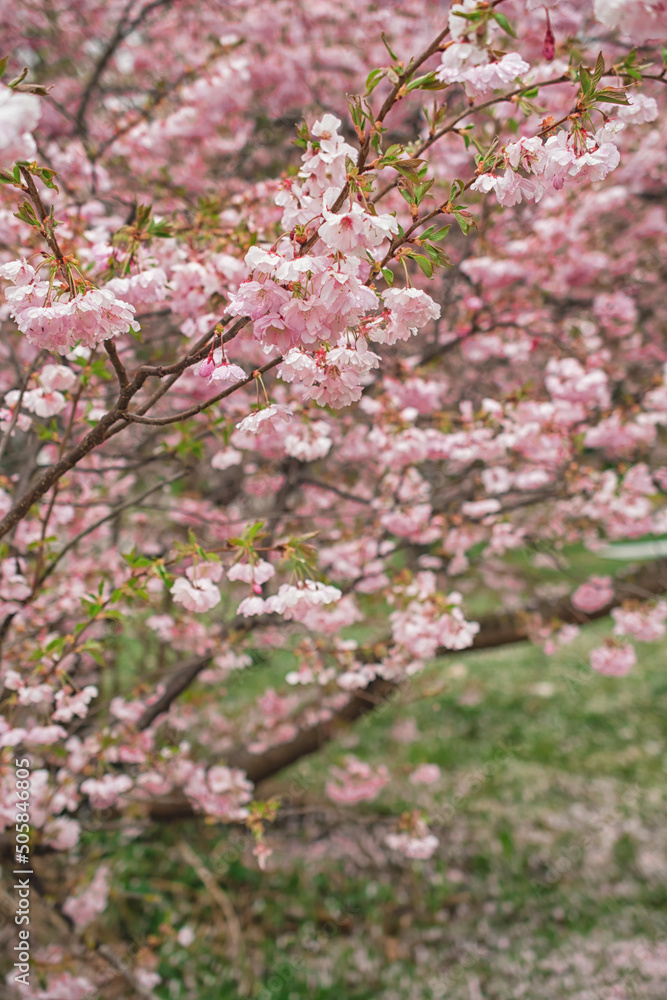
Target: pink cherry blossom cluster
(58,324)
(613,659)
(219,791)
(468,59)
(593,595)
(197,590)
(47,399)
(292,601)
(646,623)
(423,624)
(563,157)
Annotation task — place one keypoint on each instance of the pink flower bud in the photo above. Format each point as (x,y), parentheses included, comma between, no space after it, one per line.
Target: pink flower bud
(549,47)
(206,368)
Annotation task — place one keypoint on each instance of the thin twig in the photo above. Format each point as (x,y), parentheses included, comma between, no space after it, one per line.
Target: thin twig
(17,408)
(107,517)
(235,939)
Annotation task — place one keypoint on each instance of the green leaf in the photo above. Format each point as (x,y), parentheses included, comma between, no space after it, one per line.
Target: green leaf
(463,223)
(434,84)
(162,229)
(586,81)
(426,82)
(438,256)
(388,275)
(611,95)
(389,48)
(423,189)
(440,235)
(599,70)
(93,647)
(457,188)
(474,15)
(3,66)
(504,23)
(529,94)
(424,263)
(373,79)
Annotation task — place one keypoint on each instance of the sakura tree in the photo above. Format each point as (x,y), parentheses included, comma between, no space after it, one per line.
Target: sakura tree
(284,367)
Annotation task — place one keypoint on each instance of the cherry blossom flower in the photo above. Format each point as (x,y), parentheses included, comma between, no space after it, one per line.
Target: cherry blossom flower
(647,623)
(357,782)
(62,833)
(226,459)
(141,290)
(185,936)
(416,842)
(220,791)
(342,374)
(38,401)
(227,372)
(425,774)
(599,157)
(310,441)
(422,628)
(19,115)
(294,601)
(354,231)
(420,848)
(496,479)
(258,572)
(65,986)
(71,705)
(298,365)
(107,790)
(23,422)
(640,19)
(13,584)
(640,109)
(198,595)
(43,735)
(57,378)
(482,79)
(593,595)
(19,272)
(613,660)
(255,299)
(409,310)
(253,423)
(566,378)
(262,852)
(88,904)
